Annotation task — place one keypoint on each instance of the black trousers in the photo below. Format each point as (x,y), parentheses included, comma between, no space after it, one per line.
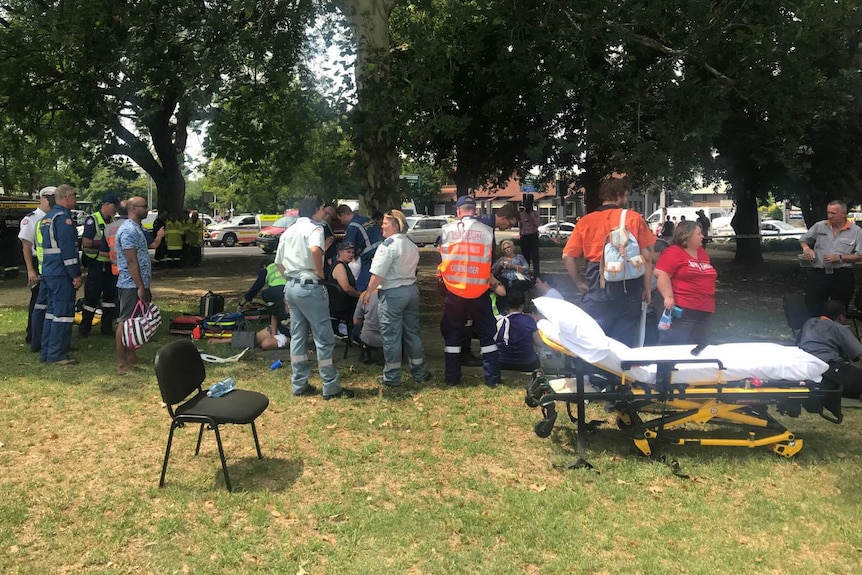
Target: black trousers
(34,294)
(530,251)
(823,287)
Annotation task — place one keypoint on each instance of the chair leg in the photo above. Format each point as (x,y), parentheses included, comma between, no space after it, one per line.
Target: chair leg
(221,454)
(167,454)
(256,442)
(200,436)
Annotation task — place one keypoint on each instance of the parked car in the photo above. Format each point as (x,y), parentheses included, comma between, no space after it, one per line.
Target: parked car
(778,230)
(425,230)
(241,229)
(553,230)
(770,230)
(268,237)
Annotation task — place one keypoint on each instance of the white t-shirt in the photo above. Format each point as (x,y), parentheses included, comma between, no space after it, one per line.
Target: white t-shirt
(28,227)
(294,249)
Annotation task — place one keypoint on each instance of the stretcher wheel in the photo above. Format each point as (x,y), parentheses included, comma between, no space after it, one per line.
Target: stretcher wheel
(543,428)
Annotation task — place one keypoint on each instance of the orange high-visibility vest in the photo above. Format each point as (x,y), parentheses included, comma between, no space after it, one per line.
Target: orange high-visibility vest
(466,249)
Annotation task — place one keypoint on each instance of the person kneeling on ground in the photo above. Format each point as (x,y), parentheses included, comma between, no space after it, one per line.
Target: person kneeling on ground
(366,327)
(826,338)
(517,334)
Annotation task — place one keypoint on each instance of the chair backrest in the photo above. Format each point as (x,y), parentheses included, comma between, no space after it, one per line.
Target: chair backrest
(796,312)
(179,370)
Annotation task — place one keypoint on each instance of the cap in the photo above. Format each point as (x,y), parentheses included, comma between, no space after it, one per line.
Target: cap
(111,199)
(47,191)
(465,201)
(699,212)
(345,245)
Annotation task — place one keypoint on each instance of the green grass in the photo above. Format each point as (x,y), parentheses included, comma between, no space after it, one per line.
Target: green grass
(423,480)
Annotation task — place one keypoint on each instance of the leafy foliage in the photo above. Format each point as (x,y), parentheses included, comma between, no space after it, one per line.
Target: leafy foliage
(131,77)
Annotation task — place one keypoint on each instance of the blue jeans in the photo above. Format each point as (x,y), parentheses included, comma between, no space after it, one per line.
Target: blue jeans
(399,329)
(309,312)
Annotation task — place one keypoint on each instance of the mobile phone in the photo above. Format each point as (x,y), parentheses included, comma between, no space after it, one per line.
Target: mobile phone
(676,312)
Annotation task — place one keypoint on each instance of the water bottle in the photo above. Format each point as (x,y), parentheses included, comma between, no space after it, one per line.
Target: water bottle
(221,388)
(665,321)
(276,364)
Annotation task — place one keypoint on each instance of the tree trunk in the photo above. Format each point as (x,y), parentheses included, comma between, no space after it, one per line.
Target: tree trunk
(745,223)
(377,163)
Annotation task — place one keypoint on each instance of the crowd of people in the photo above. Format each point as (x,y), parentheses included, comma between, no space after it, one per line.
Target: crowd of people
(365,287)
(114,252)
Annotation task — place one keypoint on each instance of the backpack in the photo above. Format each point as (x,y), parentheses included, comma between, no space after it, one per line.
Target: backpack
(621,259)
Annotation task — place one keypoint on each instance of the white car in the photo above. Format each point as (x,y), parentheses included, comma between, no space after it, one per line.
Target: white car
(778,230)
(423,230)
(553,230)
(770,230)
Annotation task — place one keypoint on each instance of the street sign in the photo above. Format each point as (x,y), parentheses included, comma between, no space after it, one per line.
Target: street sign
(409,177)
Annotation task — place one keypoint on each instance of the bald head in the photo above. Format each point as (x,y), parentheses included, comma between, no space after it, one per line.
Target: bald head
(137,208)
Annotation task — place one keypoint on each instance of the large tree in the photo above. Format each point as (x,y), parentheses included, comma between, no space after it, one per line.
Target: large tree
(132,77)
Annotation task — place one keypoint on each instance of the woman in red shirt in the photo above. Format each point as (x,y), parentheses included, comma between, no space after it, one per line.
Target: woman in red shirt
(686,281)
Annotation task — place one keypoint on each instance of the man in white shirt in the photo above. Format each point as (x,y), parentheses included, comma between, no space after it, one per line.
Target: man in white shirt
(27,235)
(300,259)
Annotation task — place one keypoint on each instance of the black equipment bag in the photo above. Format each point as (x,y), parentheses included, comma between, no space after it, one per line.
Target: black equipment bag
(211,304)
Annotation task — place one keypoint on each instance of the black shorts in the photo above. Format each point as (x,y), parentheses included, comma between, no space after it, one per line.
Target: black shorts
(128,297)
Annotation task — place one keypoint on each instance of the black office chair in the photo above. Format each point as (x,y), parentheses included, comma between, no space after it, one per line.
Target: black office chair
(796,312)
(181,372)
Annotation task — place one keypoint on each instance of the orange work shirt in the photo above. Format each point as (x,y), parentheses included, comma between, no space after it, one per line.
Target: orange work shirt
(590,233)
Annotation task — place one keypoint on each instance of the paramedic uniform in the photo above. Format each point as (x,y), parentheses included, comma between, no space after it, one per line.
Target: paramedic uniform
(466,249)
(395,263)
(308,303)
(28,233)
(60,267)
(365,236)
(101,284)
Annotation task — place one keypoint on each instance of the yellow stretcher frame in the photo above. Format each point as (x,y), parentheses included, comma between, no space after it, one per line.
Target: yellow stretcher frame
(678,406)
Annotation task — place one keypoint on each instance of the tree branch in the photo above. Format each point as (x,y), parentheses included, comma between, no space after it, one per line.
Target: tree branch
(650,43)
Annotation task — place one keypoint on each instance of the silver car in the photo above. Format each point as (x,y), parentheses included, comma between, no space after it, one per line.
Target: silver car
(424,230)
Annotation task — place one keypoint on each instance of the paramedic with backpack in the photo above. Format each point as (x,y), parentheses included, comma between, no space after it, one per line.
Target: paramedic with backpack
(686,282)
(612,296)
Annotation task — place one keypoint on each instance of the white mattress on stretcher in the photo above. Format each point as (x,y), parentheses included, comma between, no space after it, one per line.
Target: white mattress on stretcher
(575,330)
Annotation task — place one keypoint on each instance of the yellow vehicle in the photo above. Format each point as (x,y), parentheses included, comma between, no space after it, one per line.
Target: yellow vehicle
(242,230)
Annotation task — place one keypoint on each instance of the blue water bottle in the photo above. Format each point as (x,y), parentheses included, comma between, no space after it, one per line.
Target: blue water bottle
(665,321)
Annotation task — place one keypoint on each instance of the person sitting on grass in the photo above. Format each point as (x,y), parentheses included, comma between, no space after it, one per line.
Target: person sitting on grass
(827,338)
(517,336)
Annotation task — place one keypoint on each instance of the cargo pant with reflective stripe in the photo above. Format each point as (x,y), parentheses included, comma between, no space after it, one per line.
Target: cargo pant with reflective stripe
(309,314)
(456,312)
(399,330)
(59,317)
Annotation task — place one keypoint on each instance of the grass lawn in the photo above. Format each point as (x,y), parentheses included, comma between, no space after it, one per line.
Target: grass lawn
(421,480)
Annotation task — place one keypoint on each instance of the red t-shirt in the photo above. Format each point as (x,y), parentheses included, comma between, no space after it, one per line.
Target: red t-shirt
(692,279)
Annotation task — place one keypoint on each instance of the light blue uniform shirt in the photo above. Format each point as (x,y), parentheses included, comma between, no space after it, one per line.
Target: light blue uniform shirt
(395,262)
